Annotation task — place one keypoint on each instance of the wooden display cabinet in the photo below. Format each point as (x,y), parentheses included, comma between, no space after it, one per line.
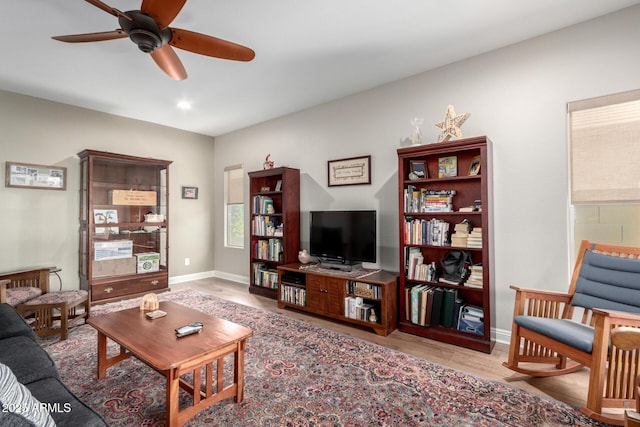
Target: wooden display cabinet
(472,185)
(121,255)
(329,295)
(274,224)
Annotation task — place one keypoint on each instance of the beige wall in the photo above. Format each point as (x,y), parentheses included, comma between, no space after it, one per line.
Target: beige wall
(516,95)
(40,227)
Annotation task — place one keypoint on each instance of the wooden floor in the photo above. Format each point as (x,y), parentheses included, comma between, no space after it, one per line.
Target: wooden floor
(571,388)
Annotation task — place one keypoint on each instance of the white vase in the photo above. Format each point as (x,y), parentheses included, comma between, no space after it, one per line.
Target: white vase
(303,256)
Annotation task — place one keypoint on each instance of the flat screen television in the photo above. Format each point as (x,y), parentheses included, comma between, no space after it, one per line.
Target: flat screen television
(343,239)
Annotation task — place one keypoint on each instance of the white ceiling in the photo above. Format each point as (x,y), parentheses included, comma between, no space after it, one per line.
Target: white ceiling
(307,52)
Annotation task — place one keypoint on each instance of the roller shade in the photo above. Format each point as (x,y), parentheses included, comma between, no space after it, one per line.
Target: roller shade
(604,135)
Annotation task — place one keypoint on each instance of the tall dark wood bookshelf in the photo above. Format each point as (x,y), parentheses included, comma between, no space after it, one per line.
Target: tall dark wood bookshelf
(275,230)
(470,190)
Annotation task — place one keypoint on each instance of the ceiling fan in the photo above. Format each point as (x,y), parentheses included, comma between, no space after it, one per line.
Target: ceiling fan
(149,29)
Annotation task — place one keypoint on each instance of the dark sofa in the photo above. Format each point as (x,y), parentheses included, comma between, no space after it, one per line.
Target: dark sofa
(47,400)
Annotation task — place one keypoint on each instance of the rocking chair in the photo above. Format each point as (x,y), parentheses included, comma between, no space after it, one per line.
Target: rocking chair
(556,333)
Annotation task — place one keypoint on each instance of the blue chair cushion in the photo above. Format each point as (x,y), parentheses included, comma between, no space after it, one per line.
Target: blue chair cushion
(568,332)
(608,282)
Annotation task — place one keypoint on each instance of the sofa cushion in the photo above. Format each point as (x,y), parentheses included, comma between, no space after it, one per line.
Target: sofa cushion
(19,407)
(12,324)
(65,408)
(28,361)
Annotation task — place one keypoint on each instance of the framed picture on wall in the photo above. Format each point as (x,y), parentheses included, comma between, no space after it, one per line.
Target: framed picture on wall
(351,171)
(26,175)
(190,193)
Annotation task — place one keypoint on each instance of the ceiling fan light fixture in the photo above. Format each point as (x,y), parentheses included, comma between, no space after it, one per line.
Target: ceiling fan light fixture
(145,40)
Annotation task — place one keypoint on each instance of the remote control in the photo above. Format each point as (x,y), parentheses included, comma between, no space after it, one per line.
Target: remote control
(191,328)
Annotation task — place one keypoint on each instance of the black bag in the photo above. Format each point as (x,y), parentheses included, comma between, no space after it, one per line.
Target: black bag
(456,266)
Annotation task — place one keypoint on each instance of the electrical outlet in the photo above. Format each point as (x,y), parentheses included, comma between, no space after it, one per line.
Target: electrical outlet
(187,261)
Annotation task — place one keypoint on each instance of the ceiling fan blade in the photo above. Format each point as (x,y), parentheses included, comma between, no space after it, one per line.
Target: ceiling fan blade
(209,46)
(108,9)
(92,37)
(162,11)
(169,62)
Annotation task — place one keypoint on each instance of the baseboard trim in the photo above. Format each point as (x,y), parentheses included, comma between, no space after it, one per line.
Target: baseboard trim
(207,274)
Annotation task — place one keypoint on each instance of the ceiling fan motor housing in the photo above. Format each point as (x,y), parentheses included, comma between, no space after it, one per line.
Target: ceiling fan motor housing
(144,31)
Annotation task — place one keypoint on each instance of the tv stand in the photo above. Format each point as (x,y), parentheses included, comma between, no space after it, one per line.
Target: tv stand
(341,297)
(340,265)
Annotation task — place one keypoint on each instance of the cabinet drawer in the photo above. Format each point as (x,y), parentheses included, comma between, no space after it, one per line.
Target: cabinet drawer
(147,283)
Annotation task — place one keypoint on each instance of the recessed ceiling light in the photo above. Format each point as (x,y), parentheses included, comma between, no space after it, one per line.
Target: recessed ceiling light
(184,105)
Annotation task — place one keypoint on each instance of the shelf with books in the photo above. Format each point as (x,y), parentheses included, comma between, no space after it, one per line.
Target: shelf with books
(274,226)
(369,301)
(459,173)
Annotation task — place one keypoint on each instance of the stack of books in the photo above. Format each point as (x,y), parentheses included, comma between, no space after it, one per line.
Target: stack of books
(475,238)
(460,234)
(417,269)
(423,200)
(475,278)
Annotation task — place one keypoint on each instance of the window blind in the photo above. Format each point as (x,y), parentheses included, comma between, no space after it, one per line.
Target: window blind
(604,141)
(235,193)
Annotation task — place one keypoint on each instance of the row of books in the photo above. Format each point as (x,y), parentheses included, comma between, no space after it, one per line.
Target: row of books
(293,294)
(424,200)
(264,225)
(433,232)
(366,290)
(262,276)
(270,250)
(262,205)
(415,267)
(432,306)
(428,305)
(356,308)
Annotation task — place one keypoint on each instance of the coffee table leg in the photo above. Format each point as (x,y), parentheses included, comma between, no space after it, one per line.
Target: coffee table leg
(173,389)
(239,372)
(102,355)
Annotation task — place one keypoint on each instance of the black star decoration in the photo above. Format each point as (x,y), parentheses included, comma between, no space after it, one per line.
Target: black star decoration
(451,125)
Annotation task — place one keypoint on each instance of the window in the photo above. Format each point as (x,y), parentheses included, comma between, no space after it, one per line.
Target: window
(604,171)
(234,206)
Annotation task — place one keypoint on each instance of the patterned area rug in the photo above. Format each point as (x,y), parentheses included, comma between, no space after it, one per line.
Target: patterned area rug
(297,374)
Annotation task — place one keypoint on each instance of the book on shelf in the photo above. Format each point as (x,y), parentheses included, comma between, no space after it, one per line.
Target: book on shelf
(449,296)
(262,205)
(460,234)
(468,209)
(475,277)
(447,166)
(436,308)
(474,240)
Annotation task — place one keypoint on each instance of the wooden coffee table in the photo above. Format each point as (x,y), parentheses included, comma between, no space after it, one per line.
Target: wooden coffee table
(154,342)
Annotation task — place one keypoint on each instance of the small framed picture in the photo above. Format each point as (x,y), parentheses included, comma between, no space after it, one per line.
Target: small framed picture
(190,193)
(474,167)
(278,185)
(418,168)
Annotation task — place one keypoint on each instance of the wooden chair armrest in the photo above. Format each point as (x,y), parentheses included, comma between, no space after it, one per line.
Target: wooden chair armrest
(541,294)
(617,317)
(3,290)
